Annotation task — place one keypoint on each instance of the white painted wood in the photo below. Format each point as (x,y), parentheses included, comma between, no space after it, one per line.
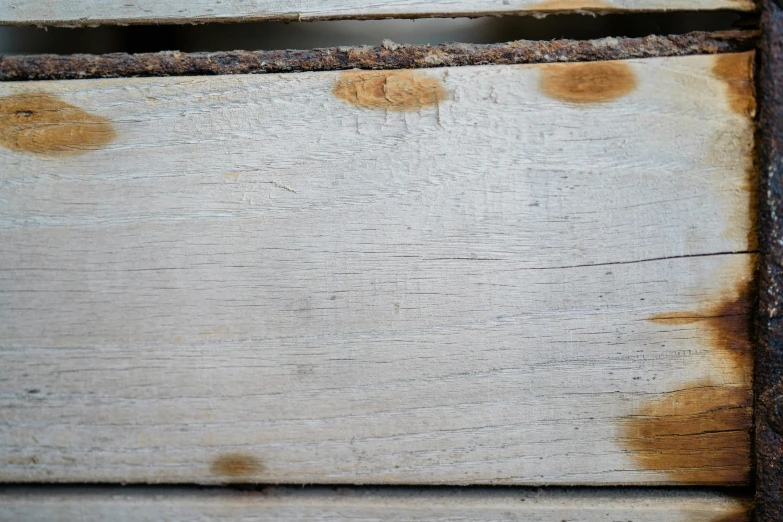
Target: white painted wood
(456,294)
(320,504)
(90,12)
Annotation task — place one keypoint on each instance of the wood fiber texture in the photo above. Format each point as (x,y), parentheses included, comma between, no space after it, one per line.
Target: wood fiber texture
(332,504)
(91,12)
(536,274)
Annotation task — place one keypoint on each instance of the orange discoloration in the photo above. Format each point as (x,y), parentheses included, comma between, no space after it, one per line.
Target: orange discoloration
(700,435)
(591,82)
(236,465)
(736,70)
(570,5)
(42,124)
(389,90)
(739,516)
(728,322)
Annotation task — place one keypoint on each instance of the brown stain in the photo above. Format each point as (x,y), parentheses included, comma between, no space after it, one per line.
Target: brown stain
(698,436)
(236,465)
(739,516)
(389,90)
(45,125)
(728,323)
(588,82)
(701,435)
(734,142)
(736,70)
(570,5)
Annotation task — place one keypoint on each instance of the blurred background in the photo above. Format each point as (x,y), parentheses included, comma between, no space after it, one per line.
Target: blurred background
(304,35)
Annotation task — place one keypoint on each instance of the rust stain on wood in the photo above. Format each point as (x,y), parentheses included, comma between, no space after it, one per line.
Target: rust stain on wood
(699,435)
(390,90)
(736,70)
(45,125)
(570,5)
(728,323)
(592,82)
(236,465)
(739,516)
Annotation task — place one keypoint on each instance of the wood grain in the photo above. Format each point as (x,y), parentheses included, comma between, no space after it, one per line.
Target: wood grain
(321,504)
(457,276)
(91,12)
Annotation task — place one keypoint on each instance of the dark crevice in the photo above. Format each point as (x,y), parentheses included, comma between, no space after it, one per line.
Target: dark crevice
(308,35)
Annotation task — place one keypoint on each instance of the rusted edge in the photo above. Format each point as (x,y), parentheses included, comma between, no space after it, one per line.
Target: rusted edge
(769,354)
(387,56)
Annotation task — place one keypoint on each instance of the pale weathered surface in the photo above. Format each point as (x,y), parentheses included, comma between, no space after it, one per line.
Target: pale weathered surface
(322,504)
(89,12)
(499,274)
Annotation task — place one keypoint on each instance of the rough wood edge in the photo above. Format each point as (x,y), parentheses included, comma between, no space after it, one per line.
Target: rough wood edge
(387,56)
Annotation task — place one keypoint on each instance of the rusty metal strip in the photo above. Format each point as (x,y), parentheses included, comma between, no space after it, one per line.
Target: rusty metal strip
(769,355)
(388,56)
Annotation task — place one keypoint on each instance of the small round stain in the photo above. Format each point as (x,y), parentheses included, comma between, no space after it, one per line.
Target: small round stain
(589,82)
(403,90)
(236,465)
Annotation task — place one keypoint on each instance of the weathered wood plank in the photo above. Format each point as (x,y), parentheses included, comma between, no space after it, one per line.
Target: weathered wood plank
(496,274)
(320,504)
(90,12)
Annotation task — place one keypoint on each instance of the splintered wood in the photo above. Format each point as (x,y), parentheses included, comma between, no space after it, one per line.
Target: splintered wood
(91,12)
(536,274)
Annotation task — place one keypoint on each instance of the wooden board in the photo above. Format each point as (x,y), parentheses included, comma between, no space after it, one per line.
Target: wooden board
(496,274)
(318,504)
(90,12)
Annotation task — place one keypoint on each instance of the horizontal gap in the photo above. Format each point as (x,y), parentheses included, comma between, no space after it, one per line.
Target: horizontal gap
(387,56)
(308,35)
